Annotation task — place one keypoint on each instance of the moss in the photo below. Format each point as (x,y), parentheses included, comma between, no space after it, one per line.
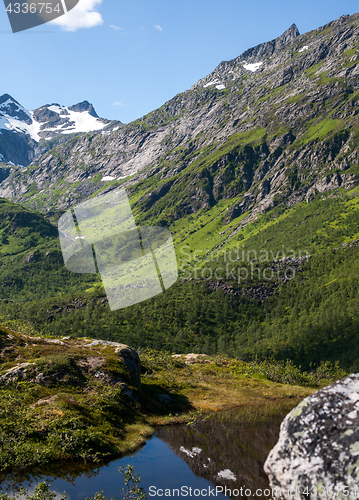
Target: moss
(117,369)
(325,31)
(60,368)
(319,131)
(313,69)
(96,178)
(32,189)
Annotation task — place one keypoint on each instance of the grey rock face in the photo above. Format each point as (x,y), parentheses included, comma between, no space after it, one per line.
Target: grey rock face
(16,148)
(131,360)
(84,106)
(296,99)
(318,446)
(12,108)
(4,173)
(226,69)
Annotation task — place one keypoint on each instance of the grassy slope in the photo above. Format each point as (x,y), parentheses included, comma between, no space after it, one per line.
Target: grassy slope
(311,318)
(31,263)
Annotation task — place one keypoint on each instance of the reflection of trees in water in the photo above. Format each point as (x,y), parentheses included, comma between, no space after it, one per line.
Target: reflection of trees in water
(57,470)
(238,447)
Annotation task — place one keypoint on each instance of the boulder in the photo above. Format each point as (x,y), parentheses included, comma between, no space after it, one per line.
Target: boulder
(128,355)
(131,359)
(318,447)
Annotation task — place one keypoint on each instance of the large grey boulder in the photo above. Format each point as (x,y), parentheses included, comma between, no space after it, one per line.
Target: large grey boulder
(129,357)
(318,447)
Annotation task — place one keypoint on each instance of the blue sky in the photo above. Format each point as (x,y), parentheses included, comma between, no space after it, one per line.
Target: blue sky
(128,58)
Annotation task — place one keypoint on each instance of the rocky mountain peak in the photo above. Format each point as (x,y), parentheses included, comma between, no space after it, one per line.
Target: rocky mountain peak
(25,134)
(278,124)
(250,60)
(9,107)
(7,97)
(290,34)
(80,107)
(267,49)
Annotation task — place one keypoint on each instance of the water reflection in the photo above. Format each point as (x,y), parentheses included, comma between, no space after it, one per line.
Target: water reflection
(219,451)
(68,472)
(224,451)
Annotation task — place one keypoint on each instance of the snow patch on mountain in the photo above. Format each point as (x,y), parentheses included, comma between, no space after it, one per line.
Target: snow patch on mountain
(108,178)
(34,128)
(213,82)
(38,123)
(56,108)
(9,123)
(219,85)
(75,121)
(253,66)
(3,122)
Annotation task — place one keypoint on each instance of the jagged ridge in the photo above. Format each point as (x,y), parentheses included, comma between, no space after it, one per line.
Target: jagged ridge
(280,133)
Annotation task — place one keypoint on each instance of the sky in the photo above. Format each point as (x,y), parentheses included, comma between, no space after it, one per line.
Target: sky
(129,58)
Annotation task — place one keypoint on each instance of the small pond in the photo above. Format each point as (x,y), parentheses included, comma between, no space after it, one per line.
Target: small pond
(218,451)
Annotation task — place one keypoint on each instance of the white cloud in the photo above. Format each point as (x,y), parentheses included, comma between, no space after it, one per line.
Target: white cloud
(117,103)
(158,27)
(84,15)
(116,27)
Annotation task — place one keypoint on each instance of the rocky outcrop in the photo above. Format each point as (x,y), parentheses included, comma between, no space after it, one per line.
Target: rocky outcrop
(80,107)
(317,453)
(67,369)
(15,373)
(266,50)
(129,357)
(191,358)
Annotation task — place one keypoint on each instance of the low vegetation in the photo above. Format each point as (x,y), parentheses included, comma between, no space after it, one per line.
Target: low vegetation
(73,399)
(310,318)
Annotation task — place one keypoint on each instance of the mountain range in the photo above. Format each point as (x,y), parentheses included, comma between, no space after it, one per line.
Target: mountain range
(277,124)
(24,134)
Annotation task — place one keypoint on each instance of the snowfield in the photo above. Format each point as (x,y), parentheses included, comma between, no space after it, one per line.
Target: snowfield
(76,121)
(253,66)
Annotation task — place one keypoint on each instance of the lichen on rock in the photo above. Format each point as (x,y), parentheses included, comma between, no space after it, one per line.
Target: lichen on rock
(318,447)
